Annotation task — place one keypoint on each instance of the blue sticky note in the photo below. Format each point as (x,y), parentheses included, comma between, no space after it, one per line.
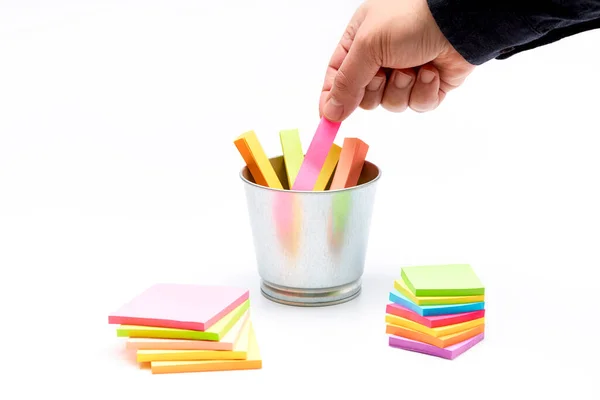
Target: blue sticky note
(443,309)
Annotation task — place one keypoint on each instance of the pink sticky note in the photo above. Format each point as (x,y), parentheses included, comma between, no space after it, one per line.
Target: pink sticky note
(316,154)
(449,353)
(180,306)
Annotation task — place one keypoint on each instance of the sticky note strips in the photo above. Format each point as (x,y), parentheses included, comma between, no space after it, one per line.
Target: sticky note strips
(350,164)
(257,161)
(400,286)
(433,321)
(442,280)
(181,306)
(252,361)
(315,155)
(328,168)
(449,353)
(292,153)
(215,332)
(239,352)
(227,343)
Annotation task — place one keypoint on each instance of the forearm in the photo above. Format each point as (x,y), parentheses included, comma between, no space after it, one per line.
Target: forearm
(481,30)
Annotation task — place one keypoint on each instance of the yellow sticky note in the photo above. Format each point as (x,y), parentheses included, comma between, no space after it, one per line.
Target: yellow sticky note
(328,167)
(292,153)
(435,332)
(239,352)
(400,286)
(252,361)
(257,161)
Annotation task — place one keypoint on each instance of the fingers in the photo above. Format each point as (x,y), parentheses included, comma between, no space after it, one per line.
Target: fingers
(352,67)
(397,91)
(374,91)
(425,94)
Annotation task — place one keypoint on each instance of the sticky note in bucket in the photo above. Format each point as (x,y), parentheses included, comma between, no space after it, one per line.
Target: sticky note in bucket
(292,153)
(257,161)
(315,155)
(350,165)
(328,168)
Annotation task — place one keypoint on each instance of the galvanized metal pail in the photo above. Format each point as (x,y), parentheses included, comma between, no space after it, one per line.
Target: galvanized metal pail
(310,247)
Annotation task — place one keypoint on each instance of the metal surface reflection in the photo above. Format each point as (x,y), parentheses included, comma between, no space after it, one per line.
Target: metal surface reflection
(310,247)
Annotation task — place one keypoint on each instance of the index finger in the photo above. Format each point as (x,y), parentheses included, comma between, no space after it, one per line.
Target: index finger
(339,55)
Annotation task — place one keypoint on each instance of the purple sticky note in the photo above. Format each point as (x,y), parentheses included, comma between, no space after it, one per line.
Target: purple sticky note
(449,353)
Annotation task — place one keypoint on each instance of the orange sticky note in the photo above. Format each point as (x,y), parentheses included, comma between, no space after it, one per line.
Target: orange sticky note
(441,342)
(328,167)
(352,159)
(257,161)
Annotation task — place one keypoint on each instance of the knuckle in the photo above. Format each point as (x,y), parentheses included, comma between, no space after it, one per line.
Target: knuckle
(341,83)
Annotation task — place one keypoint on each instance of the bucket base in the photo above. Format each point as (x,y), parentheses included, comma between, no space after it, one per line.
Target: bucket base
(310,297)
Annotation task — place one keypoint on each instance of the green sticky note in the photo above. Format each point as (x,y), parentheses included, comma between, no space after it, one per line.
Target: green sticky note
(214,333)
(442,280)
(293,155)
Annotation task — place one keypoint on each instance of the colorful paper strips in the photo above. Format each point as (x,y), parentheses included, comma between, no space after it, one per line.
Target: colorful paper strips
(227,342)
(325,166)
(452,322)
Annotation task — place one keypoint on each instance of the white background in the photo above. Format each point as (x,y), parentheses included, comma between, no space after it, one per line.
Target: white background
(117,171)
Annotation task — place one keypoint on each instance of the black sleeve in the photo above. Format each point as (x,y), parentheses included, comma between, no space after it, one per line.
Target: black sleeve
(481,30)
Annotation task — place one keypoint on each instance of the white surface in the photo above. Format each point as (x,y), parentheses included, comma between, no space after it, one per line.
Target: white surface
(117,170)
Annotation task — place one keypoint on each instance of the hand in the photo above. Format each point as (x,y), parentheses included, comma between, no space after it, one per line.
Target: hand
(392,53)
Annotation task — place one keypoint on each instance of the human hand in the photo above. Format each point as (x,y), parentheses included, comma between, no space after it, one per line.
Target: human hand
(392,53)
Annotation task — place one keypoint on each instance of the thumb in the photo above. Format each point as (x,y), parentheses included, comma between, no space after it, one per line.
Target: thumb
(351,68)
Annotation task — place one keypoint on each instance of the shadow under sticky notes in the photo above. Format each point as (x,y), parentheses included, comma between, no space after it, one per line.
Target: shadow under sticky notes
(449,353)
(215,332)
(257,161)
(239,352)
(252,361)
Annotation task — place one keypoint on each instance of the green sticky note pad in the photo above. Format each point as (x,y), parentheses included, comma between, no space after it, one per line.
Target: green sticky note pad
(292,153)
(442,280)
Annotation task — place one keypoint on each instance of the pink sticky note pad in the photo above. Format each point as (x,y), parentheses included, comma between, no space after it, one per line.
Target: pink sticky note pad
(180,306)
(433,321)
(316,154)
(449,353)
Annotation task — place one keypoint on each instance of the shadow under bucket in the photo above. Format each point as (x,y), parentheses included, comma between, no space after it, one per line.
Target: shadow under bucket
(310,246)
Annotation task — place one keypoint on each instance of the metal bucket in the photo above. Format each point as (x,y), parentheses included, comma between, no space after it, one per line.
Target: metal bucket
(310,246)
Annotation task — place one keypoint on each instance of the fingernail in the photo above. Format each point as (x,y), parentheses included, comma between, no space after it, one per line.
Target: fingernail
(427,76)
(333,109)
(375,84)
(402,80)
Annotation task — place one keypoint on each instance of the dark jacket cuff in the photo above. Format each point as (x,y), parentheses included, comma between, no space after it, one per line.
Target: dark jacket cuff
(481,34)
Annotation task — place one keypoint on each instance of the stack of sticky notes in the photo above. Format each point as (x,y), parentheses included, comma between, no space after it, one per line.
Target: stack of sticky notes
(436,310)
(325,166)
(189,328)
